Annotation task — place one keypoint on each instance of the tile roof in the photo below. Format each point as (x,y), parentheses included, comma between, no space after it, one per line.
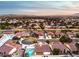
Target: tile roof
(58,45)
(20,34)
(40,33)
(12,44)
(43,48)
(8,32)
(72,46)
(62,47)
(6,49)
(8,46)
(50,33)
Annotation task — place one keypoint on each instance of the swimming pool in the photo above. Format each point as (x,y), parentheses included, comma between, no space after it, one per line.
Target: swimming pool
(30,52)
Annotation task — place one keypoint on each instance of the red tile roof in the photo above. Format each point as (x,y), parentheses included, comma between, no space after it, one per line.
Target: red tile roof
(43,48)
(20,34)
(50,33)
(8,32)
(10,43)
(72,46)
(8,46)
(58,45)
(40,33)
(62,47)
(6,49)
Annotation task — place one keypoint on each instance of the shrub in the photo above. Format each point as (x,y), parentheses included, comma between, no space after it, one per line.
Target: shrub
(77,35)
(65,39)
(56,51)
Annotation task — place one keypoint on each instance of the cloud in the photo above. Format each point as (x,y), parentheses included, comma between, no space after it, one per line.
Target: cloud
(39,7)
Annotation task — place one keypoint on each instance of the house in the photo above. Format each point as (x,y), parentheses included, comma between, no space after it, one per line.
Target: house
(40,33)
(9,48)
(71,46)
(58,45)
(13,44)
(8,31)
(64,47)
(44,36)
(42,49)
(20,34)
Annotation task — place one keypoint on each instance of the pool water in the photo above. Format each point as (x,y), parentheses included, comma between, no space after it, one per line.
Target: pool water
(30,52)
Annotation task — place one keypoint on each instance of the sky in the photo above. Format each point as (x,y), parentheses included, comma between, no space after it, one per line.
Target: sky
(39,7)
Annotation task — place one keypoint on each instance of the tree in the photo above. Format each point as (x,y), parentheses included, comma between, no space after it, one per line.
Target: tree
(5,25)
(33,34)
(47,41)
(56,51)
(16,40)
(2,27)
(65,39)
(41,25)
(77,45)
(77,35)
(26,55)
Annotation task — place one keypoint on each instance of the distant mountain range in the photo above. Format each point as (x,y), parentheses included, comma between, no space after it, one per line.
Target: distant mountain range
(76,14)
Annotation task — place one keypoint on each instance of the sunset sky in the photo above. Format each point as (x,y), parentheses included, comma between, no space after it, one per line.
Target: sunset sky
(39,7)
